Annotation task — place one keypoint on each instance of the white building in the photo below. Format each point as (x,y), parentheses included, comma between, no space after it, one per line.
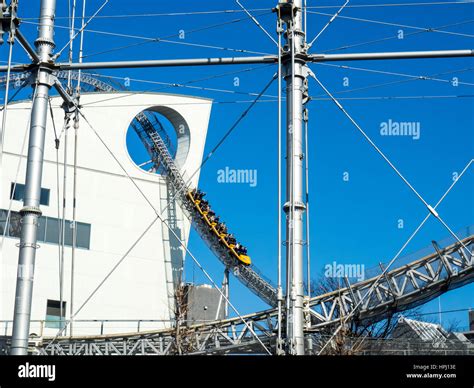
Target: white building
(111,215)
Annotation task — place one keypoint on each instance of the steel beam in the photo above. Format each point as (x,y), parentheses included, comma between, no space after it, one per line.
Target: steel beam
(232,336)
(247,60)
(168,63)
(26,45)
(390,55)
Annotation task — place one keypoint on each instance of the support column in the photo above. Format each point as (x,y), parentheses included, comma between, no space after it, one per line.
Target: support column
(294,61)
(226,293)
(31,212)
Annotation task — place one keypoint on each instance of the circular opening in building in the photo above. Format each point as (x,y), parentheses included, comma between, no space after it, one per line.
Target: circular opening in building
(143,145)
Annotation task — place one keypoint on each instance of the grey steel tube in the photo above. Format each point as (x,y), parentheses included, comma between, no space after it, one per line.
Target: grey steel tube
(249,60)
(168,62)
(26,45)
(294,206)
(391,55)
(31,212)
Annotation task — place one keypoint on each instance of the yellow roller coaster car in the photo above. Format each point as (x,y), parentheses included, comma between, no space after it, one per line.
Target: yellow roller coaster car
(244,259)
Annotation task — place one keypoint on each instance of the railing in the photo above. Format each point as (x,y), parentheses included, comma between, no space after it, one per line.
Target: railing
(38,328)
(376,270)
(408,345)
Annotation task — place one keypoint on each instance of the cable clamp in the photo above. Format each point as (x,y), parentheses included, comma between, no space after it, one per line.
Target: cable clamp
(27,245)
(433,211)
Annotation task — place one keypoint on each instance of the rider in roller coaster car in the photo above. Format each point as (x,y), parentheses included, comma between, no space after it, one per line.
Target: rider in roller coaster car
(240,249)
(198,194)
(222,228)
(230,239)
(213,219)
(205,206)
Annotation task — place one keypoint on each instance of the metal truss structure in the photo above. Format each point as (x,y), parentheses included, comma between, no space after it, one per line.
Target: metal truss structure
(89,83)
(157,143)
(248,275)
(372,299)
(400,289)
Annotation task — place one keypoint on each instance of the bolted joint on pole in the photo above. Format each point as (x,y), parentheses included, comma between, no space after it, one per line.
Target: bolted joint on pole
(45,42)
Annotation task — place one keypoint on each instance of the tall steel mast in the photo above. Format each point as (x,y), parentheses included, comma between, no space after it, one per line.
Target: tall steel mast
(31,212)
(294,66)
(294,62)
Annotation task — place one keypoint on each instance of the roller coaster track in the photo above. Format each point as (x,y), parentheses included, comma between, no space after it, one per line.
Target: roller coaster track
(156,142)
(400,289)
(248,275)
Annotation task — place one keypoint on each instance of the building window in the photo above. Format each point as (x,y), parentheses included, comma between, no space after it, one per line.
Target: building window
(3,221)
(54,319)
(83,238)
(13,227)
(17,192)
(48,229)
(53,228)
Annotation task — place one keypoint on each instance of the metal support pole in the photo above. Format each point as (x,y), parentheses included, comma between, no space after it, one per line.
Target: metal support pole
(31,211)
(308,247)
(246,60)
(280,345)
(226,293)
(294,63)
(224,297)
(74,186)
(391,55)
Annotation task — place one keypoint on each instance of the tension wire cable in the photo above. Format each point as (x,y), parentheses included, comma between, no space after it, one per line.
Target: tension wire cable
(158,39)
(153,40)
(391,83)
(56,146)
(222,140)
(256,22)
(429,207)
(394,37)
(411,76)
(185,85)
(11,41)
(195,13)
(458,2)
(387,267)
(169,228)
(230,11)
(20,158)
(427,29)
(58,54)
(167,87)
(334,17)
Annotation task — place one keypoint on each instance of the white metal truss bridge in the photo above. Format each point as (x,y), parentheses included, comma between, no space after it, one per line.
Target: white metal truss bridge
(400,289)
(373,299)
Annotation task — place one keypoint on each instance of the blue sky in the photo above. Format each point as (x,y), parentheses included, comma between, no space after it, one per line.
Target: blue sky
(353,221)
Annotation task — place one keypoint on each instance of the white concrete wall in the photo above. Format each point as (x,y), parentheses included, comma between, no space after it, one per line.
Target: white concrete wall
(110,203)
